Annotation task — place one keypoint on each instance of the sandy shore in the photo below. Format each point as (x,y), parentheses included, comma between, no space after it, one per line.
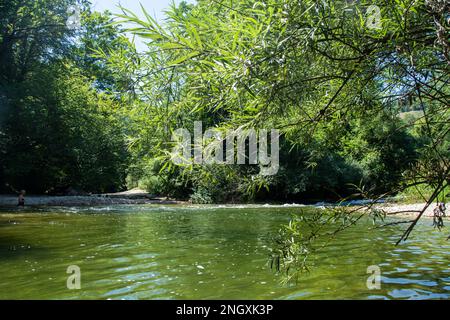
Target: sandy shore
(408,210)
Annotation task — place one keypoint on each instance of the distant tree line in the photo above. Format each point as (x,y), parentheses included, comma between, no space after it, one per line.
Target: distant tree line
(60,124)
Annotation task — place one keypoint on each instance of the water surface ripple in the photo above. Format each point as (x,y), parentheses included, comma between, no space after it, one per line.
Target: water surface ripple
(205,252)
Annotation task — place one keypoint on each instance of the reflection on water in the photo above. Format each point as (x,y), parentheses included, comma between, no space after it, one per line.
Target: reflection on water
(205,252)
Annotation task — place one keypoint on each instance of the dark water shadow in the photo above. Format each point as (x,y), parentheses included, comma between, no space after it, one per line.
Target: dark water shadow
(14,246)
(20,249)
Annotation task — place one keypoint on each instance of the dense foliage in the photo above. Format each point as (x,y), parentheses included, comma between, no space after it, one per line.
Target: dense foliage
(60,125)
(318,71)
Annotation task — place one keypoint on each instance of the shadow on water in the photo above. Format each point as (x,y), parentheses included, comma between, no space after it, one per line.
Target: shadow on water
(16,249)
(16,246)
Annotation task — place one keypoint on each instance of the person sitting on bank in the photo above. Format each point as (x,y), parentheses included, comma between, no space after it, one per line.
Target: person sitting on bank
(21,200)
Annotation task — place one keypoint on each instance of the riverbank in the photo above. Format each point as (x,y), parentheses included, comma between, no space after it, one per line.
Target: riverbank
(134,196)
(137,197)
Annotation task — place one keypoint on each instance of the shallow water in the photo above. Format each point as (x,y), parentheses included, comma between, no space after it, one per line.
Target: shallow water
(206,252)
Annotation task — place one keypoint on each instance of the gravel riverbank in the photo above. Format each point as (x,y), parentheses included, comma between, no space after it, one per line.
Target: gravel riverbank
(135,196)
(141,197)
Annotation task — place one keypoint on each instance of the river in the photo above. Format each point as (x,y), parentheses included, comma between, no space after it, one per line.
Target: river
(205,252)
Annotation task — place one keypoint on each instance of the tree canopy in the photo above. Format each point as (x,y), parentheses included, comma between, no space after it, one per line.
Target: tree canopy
(320,72)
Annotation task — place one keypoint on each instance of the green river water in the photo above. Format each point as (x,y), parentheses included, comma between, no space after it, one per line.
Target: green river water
(205,252)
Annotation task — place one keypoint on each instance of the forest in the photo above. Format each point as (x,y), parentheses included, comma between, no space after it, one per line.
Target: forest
(357,89)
